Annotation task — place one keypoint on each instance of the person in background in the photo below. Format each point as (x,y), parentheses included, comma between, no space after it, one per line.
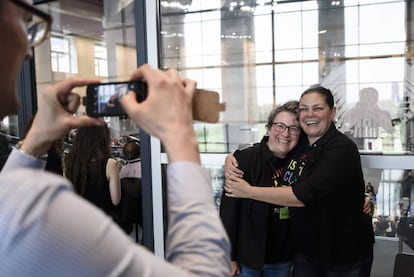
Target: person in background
(330,233)
(92,170)
(132,153)
(370,188)
(47,229)
(131,202)
(259,232)
(370,193)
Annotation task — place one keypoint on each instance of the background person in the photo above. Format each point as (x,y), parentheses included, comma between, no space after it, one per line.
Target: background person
(370,189)
(259,232)
(92,170)
(130,209)
(132,153)
(47,230)
(331,234)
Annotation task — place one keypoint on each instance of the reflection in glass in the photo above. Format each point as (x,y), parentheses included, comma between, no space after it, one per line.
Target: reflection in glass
(90,39)
(217,182)
(391,198)
(258,65)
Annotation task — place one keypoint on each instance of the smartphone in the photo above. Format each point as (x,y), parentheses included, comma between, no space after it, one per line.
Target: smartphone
(102,99)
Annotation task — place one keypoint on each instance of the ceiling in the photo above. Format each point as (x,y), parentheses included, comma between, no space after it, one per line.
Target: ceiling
(95,19)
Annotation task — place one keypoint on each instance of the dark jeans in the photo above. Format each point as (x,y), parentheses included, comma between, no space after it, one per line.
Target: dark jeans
(308,267)
(269,270)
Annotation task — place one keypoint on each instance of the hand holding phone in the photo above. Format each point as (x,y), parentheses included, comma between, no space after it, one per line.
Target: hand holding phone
(102,99)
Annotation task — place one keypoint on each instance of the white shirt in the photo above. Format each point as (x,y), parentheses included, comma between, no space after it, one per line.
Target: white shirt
(47,230)
(131,170)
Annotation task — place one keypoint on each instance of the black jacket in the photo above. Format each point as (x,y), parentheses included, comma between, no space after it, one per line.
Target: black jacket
(332,227)
(247,221)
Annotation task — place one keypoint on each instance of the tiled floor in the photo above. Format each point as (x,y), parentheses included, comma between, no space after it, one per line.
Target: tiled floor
(385,250)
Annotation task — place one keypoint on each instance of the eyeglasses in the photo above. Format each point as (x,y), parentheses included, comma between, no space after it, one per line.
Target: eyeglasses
(281,127)
(38,23)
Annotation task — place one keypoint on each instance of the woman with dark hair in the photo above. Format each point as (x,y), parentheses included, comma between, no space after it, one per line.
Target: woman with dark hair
(91,169)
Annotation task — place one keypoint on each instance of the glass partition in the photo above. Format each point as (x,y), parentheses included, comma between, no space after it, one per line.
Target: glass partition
(390,197)
(389,182)
(91,39)
(258,54)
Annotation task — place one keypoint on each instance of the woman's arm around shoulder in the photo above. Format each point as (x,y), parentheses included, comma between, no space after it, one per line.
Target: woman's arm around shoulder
(231,166)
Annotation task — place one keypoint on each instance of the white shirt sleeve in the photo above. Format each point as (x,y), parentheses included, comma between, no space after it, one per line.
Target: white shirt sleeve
(47,230)
(18,159)
(196,237)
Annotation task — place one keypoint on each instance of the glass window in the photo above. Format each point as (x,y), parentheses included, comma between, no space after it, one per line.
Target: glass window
(289,74)
(390,198)
(369,72)
(288,25)
(212,139)
(101,61)
(263,40)
(347,46)
(95,40)
(63,55)
(262,56)
(378,26)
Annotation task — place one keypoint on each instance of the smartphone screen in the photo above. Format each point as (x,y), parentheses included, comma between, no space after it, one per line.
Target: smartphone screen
(103,99)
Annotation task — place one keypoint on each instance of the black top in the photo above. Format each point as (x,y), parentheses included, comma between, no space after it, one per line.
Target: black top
(332,227)
(54,162)
(99,194)
(256,232)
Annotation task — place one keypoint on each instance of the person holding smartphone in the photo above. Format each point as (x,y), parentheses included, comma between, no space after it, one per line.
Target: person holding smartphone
(46,229)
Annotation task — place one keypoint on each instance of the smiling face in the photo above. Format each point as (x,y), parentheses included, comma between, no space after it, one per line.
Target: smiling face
(281,142)
(315,115)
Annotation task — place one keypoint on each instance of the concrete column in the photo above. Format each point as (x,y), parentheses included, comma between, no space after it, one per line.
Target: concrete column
(239,78)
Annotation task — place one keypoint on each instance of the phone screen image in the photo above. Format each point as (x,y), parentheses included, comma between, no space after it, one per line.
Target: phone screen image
(104,99)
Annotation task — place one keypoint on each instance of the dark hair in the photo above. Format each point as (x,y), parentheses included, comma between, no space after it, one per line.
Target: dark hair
(290,106)
(131,150)
(326,93)
(91,146)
